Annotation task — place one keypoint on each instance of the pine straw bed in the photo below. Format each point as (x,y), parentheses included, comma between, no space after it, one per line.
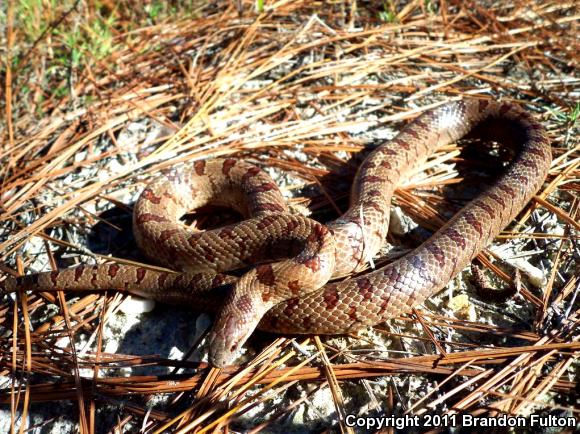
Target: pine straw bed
(301,89)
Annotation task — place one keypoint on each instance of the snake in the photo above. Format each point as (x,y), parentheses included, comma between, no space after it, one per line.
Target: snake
(300,276)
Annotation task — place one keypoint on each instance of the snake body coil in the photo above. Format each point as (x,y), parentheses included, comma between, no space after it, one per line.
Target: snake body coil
(290,295)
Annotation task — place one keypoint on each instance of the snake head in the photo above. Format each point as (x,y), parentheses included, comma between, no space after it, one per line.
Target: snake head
(242,311)
(227,337)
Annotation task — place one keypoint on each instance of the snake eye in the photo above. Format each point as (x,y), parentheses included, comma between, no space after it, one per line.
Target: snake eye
(233,348)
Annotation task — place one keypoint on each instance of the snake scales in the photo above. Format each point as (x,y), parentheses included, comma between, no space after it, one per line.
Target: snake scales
(287,291)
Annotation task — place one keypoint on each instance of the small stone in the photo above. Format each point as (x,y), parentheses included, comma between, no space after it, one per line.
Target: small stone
(535,275)
(461,306)
(136,305)
(400,224)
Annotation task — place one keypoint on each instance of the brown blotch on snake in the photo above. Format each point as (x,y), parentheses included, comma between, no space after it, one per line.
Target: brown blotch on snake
(320,308)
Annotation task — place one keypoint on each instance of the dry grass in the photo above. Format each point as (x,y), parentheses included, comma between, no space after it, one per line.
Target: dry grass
(323,79)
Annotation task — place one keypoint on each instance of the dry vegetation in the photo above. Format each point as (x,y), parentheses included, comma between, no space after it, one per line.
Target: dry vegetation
(300,87)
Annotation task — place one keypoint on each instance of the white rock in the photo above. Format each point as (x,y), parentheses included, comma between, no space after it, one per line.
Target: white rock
(136,305)
(400,224)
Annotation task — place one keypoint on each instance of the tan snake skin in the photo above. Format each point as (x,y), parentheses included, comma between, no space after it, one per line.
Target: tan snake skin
(287,292)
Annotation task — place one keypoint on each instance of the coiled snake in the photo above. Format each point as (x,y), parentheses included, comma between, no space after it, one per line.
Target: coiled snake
(290,294)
